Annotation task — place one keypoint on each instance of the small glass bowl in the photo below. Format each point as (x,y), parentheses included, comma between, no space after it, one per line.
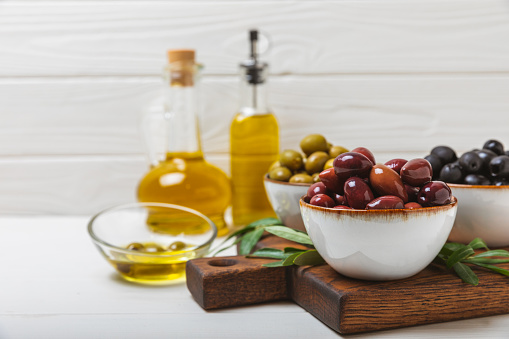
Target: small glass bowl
(169,236)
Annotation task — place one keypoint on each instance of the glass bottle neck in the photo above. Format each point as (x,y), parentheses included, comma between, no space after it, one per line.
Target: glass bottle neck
(183,133)
(253,99)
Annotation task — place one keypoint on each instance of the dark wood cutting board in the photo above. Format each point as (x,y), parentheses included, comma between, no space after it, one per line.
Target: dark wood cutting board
(344,304)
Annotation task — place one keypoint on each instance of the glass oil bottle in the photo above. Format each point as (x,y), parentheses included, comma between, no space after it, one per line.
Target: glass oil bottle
(254,142)
(184,177)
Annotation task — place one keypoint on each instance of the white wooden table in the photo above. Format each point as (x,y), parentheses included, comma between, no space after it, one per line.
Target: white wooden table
(55,284)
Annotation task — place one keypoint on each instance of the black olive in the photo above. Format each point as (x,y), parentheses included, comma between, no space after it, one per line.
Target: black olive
(486,155)
(471,162)
(499,166)
(436,164)
(452,173)
(445,153)
(476,179)
(495,146)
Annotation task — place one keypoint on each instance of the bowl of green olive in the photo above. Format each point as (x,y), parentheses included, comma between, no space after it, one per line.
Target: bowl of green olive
(150,243)
(290,177)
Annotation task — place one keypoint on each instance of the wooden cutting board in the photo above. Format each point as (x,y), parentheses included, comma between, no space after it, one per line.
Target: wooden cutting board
(344,304)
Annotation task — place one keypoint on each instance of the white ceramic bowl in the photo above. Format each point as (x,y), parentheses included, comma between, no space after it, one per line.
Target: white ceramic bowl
(378,244)
(483,211)
(284,198)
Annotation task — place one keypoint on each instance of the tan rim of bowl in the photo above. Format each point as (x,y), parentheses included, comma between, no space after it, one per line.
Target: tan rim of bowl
(266,178)
(488,187)
(402,211)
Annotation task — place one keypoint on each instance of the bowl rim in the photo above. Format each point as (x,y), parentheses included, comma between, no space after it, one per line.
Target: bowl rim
(401,211)
(303,184)
(98,240)
(488,187)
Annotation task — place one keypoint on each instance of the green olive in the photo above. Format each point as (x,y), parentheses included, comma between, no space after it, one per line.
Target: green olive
(280,173)
(336,150)
(301,178)
(316,177)
(328,164)
(135,246)
(316,161)
(329,145)
(274,165)
(177,246)
(313,143)
(152,247)
(291,159)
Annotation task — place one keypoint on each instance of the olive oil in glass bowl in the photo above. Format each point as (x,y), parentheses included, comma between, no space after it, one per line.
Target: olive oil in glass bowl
(138,252)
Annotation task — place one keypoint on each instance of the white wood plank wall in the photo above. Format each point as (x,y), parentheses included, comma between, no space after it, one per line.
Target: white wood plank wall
(396,76)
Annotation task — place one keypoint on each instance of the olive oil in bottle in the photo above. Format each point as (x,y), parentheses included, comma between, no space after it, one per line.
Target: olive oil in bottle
(185,177)
(254,142)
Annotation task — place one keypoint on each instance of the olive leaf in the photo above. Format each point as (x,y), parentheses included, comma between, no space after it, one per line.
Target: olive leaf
(311,257)
(248,244)
(458,255)
(477,243)
(493,253)
(290,234)
(268,252)
(465,273)
(249,241)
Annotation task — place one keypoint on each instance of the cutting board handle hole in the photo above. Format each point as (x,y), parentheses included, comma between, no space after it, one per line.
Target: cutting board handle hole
(222,262)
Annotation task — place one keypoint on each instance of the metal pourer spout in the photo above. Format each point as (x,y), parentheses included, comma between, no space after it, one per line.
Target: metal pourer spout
(254,69)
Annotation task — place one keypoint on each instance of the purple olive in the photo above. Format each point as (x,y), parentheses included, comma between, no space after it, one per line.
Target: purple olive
(351,164)
(317,188)
(322,200)
(387,182)
(366,152)
(331,180)
(342,207)
(340,199)
(358,193)
(416,172)
(396,164)
(412,192)
(386,202)
(412,205)
(434,193)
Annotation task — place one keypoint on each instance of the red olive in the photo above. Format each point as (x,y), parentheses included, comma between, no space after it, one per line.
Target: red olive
(386,202)
(412,192)
(387,182)
(322,200)
(435,193)
(342,207)
(331,180)
(412,205)
(416,172)
(396,164)
(366,152)
(351,164)
(340,199)
(358,193)
(317,188)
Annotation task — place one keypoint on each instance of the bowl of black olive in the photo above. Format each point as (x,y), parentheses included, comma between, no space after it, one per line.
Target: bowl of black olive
(479,179)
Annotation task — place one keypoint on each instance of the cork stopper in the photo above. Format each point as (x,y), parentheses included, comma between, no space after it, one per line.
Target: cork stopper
(182,67)
(183,55)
